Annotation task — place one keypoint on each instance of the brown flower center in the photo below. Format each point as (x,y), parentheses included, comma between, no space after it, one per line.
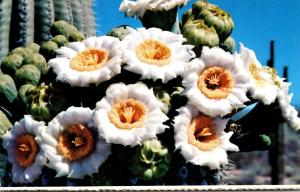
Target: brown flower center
(216,82)
(153,52)
(89,59)
(201,133)
(26,150)
(76,142)
(128,114)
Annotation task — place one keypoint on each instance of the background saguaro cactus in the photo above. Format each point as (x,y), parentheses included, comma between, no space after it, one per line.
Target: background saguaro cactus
(30,20)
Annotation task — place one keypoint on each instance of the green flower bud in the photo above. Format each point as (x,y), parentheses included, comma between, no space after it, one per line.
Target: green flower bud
(28,74)
(34,47)
(44,101)
(199,34)
(262,142)
(21,51)
(24,93)
(37,60)
(219,19)
(60,40)
(8,90)
(11,63)
(76,36)
(48,49)
(228,45)
(61,28)
(5,124)
(151,161)
(120,32)
(165,98)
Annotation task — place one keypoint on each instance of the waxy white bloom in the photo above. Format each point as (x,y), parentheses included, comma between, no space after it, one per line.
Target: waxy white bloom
(129,114)
(201,139)
(216,83)
(139,7)
(72,144)
(262,85)
(93,61)
(23,150)
(156,54)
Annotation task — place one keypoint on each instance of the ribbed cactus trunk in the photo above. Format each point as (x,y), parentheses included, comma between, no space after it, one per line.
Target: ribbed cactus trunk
(27,21)
(22,23)
(5,16)
(44,17)
(88,18)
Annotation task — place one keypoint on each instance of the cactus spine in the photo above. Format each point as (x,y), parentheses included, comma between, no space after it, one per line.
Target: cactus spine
(62,10)
(77,14)
(5,15)
(88,18)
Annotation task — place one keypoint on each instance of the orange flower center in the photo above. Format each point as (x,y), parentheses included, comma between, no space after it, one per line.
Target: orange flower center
(216,82)
(26,150)
(201,133)
(128,114)
(89,60)
(76,142)
(153,52)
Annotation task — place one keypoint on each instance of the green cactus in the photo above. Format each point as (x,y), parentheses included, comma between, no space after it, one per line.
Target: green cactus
(151,161)
(88,18)
(31,21)
(5,17)
(28,74)
(62,10)
(24,91)
(22,23)
(44,17)
(8,90)
(69,31)
(33,47)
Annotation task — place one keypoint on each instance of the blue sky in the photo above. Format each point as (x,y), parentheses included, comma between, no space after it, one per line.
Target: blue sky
(256,23)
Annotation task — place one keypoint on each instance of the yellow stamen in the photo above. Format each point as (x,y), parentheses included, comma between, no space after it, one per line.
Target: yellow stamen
(153,52)
(254,70)
(26,151)
(201,133)
(128,114)
(76,142)
(215,82)
(89,60)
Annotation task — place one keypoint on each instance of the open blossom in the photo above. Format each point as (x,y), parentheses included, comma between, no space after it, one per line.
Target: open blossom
(72,144)
(201,139)
(139,7)
(156,54)
(262,85)
(93,61)
(129,115)
(216,83)
(23,150)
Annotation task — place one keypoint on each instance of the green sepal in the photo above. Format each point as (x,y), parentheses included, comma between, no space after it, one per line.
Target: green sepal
(28,74)
(8,90)
(246,144)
